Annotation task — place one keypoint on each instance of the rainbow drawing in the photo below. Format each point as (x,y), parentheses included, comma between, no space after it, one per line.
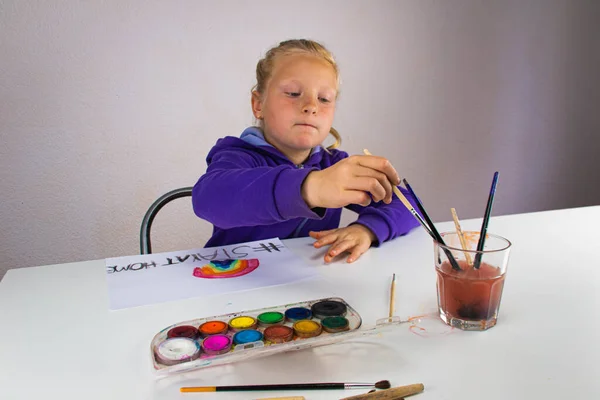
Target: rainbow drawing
(226,268)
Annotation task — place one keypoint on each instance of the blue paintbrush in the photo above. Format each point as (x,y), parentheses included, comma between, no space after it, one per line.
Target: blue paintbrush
(486,220)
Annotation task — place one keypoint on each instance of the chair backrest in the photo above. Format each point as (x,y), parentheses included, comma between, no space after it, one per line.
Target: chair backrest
(145,242)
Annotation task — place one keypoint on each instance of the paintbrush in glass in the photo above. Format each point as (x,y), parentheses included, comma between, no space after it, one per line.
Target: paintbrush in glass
(486,220)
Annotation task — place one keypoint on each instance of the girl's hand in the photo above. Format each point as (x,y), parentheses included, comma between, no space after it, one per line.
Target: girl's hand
(353,180)
(354,239)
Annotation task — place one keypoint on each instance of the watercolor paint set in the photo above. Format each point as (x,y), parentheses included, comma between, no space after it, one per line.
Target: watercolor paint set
(224,339)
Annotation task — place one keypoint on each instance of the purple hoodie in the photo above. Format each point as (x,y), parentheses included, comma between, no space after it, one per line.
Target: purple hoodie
(251,191)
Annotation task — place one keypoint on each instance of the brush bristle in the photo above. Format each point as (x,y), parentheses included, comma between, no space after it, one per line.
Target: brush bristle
(383,385)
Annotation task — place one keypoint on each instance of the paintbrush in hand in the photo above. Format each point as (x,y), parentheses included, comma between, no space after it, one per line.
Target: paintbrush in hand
(288,386)
(435,234)
(407,204)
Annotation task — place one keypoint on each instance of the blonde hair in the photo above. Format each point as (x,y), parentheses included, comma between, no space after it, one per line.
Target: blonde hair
(264,67)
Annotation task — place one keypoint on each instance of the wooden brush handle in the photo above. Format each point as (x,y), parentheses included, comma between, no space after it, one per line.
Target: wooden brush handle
(390,394)
(461,236)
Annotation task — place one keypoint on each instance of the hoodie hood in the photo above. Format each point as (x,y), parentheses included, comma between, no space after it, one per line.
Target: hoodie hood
(252,138)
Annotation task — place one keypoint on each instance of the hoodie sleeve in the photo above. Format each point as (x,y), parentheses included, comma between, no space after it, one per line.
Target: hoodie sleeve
(237,191)
(387,221)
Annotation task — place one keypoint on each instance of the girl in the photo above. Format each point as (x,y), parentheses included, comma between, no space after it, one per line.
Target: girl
(276,180)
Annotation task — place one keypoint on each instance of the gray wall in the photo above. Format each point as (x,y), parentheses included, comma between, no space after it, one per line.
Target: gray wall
(106,105)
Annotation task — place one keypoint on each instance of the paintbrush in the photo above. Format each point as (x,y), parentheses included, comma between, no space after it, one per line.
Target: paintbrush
(436,235)
(406,203)
(390,394)
(486,220)
(461,236)
(392,295)
(288,386)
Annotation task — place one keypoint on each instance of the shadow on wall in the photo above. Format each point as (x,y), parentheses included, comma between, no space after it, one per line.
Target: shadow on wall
(582,131)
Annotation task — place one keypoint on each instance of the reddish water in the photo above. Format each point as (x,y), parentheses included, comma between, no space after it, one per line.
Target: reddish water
(469,294)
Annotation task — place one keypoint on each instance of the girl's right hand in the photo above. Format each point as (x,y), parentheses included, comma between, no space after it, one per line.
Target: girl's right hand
(353,180)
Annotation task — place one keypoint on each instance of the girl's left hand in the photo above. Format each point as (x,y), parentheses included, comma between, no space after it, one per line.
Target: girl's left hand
(354,239)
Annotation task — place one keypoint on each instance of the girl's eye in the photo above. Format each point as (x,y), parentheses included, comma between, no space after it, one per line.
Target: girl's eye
(292,94)
(324,100)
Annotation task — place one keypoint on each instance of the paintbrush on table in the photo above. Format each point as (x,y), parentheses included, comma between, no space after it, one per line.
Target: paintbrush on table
(288,386)
(392,295)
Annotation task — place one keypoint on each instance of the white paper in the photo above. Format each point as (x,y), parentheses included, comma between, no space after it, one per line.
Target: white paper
(160,277)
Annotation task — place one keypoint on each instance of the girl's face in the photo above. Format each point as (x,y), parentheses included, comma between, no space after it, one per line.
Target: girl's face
(298,104)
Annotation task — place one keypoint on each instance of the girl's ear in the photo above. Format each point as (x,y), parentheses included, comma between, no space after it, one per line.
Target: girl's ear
(256,105)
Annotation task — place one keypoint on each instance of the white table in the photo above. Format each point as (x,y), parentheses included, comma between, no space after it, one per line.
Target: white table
(59,340)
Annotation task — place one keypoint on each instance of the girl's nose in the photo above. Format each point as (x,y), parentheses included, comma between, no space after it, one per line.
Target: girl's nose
(310,107)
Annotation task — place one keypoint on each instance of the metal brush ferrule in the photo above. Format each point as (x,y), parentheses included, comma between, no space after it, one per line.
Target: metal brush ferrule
(358,385)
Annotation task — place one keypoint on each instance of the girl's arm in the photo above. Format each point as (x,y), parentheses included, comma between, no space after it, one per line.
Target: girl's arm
(236,191)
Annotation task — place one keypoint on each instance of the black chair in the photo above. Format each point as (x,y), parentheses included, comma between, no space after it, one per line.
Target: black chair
(145,243)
